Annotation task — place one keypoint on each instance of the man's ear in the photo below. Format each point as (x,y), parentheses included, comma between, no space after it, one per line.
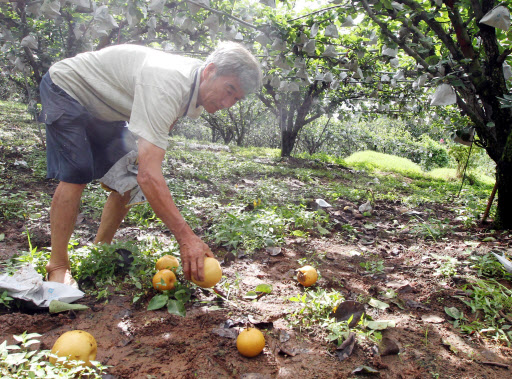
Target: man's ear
(209,71)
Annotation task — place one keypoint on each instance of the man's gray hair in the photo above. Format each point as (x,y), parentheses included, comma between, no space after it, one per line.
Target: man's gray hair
(231,58)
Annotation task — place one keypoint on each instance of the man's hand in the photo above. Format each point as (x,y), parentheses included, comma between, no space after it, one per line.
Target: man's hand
(193,252)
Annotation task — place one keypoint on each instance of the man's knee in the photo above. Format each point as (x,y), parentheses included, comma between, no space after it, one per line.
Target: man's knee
(120,199)
(69,189)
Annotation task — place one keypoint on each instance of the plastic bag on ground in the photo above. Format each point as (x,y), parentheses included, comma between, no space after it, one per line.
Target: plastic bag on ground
(27,284)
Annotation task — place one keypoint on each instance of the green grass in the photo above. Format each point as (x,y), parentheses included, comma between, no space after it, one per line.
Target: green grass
(384,162)
(447,174)
(256,152)
(17,126)
(450,175)
(372,161)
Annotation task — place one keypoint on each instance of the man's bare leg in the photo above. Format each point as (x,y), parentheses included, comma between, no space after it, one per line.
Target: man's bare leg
(63,214)
(113,214)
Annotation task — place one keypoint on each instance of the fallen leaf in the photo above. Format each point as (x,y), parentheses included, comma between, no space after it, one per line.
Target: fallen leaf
(345,349)
(415,304)
(273,250)
(365,370)
(449,346)
(288,350)
(253,375)
(433,319)
(348,309)
(284,336)
(453,312)
(226,333)
(378,304)
(380,325)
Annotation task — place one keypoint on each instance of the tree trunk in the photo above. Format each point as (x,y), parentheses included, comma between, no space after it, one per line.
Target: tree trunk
(287,142)
(503,218)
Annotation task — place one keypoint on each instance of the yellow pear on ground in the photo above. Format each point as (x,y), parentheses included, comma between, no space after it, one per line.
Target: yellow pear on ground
(250,342)
(76,345)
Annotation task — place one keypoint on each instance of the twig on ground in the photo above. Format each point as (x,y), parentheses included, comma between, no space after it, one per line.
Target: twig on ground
(505,316)
(494,364)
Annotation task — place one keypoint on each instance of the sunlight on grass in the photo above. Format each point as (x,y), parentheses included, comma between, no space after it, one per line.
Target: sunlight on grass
(448,174)
(373,159)
(484,179)
(256,152)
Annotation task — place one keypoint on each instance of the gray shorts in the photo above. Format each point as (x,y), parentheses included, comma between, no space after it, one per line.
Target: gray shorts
(79,147)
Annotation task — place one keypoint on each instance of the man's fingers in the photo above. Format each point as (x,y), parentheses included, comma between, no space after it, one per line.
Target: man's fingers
(186,268)
(193,270)
(193,266)
(200,268)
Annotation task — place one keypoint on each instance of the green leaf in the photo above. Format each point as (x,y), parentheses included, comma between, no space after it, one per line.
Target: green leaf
(387,4)
(15,359)
(157,302)
(398,303)
(176,307)
(322,230)
(380,325)
(182,295)
(266,288)
(57,306)
(251,295)
(31,342)
(389,294)
(32,335)
(378,304)
(453,312)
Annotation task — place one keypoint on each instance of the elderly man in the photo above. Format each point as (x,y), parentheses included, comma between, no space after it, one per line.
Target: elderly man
(87,101)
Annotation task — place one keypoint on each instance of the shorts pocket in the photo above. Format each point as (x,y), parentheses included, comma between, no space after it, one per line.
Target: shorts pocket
(50,116)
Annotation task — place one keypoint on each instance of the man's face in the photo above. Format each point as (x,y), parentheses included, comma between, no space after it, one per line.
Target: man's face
(218,92)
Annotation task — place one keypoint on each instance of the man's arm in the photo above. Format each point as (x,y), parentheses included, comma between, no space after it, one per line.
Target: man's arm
(154,187)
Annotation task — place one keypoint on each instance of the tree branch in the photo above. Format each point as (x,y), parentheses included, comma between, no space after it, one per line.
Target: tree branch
(223,14)
(318,11)
(466,45)
(392,36)
(435,26)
